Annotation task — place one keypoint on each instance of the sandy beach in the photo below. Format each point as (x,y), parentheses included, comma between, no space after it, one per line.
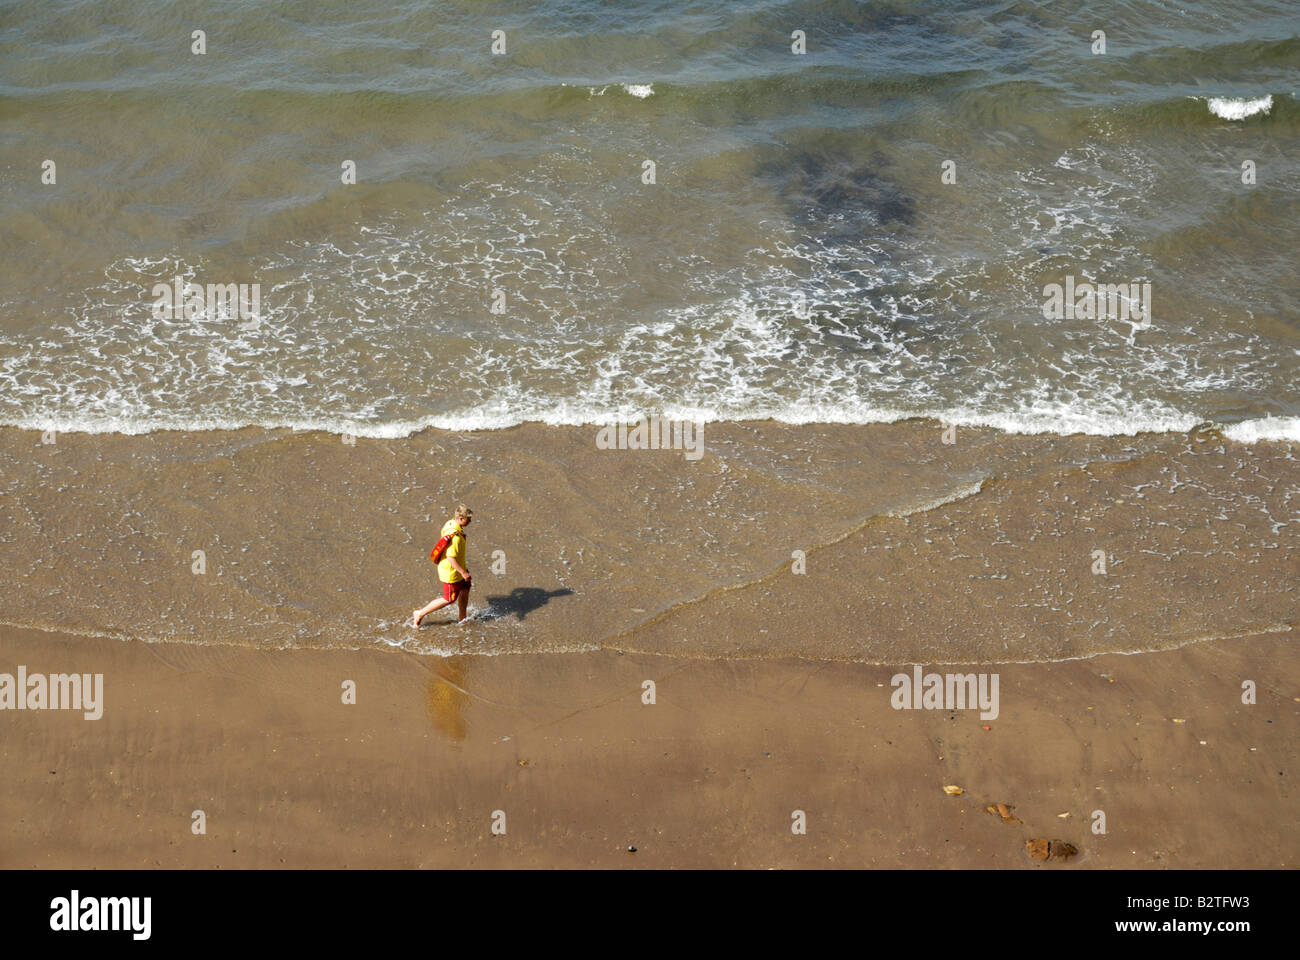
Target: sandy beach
(709,775)
(1120,674)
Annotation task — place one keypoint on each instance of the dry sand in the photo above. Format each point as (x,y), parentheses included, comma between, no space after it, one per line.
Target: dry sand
(289,776)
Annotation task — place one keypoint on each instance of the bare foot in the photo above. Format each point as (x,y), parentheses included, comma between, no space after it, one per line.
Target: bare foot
(416,618)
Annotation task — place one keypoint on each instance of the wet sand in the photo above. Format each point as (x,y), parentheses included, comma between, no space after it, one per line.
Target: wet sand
(892,543)
(709,775)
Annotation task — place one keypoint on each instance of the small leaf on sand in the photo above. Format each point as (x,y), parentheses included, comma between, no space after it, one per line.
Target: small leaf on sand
(953,790)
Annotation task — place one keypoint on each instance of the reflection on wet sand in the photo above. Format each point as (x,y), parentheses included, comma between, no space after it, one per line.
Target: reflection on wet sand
(446,698)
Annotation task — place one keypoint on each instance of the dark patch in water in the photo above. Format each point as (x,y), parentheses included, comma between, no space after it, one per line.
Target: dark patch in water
(839,196)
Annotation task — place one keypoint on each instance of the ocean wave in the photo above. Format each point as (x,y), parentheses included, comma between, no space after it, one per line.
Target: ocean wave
(1285,429)
(1239,108)
(639,90)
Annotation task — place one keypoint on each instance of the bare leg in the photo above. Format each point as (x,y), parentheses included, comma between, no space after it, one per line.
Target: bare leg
(463,599)
(418,615)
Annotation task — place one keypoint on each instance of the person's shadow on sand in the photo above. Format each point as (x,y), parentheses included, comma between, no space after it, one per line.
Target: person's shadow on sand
(521,601)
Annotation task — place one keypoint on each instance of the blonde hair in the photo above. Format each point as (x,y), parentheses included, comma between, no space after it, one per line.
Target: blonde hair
(464,511)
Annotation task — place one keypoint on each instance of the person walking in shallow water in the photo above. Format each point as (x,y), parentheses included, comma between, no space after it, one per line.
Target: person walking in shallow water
(453,568)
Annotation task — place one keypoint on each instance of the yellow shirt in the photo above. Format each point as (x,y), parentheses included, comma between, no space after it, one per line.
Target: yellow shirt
(446,572)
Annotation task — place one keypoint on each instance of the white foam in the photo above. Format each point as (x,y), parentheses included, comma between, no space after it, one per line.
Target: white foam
(1060,420)
(1285,429)
(733,348)
(1239,108)
(1064,420)
(638,90)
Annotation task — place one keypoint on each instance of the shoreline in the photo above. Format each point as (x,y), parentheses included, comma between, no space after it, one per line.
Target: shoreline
(1268,428)
(709,775)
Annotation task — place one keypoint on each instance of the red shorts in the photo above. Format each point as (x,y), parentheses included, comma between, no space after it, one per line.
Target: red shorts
(450,591)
